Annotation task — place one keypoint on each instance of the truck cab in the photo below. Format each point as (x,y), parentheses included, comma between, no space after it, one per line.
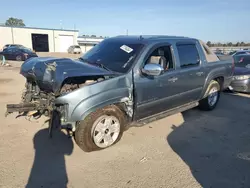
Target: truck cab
(123,81)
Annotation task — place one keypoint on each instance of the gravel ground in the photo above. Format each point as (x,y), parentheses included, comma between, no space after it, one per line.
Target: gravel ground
(192,149)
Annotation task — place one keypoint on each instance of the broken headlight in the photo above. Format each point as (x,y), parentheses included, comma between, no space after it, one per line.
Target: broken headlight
(243,77)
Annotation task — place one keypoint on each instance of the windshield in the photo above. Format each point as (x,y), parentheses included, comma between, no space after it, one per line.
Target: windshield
(117,56)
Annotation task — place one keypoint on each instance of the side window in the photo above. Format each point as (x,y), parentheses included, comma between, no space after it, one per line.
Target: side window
(8,50)
(162,56)
(188,55)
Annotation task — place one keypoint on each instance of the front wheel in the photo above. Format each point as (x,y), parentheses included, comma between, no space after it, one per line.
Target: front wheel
(101,129)
(212,96)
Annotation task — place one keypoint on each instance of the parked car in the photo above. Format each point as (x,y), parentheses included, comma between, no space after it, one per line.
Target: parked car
(240,52)
(13,45)
(122,81)
(222,56)
(241,80)
(232,52)
(74,49)
(242,60)
(16,53)
(218,53)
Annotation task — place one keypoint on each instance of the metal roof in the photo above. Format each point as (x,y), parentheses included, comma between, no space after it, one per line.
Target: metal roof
(90,37)
(88,42)
(155,36)
(39,28)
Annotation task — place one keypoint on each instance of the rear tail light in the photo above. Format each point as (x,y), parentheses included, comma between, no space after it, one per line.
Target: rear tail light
(241,60)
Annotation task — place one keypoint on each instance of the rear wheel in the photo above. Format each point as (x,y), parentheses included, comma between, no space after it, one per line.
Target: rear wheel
(101,129)
(212,96)
(19,58)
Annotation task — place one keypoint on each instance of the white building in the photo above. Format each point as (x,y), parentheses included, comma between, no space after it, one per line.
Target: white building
(86,43)
(39,39)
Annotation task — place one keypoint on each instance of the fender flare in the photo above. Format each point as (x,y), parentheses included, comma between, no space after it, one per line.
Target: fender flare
(85,107)
(207,82)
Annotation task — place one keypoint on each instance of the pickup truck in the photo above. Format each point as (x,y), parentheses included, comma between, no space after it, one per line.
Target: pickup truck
(121,82)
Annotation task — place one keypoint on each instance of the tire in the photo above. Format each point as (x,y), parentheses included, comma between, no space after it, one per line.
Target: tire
(208,103)
(19,58)
(86,129)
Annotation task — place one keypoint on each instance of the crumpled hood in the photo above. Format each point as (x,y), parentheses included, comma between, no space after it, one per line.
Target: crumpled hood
(49,72)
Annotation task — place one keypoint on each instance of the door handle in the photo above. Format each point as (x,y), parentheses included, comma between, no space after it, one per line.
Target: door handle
(199,73)
(173,79)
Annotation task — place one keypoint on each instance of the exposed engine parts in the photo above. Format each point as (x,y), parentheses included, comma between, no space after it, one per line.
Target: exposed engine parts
(36,102)
(75,83)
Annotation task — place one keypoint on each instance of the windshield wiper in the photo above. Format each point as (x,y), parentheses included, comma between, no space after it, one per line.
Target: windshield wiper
(84,60)
(104,67)
(96,64)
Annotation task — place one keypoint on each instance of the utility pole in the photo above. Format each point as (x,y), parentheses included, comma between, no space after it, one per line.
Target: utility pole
(13,42)
(75,34)
(61,24)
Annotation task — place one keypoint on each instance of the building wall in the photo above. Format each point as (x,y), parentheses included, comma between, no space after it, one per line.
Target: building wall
(5,36)
(23,36)
(86,43)
(86,47)
(57,34)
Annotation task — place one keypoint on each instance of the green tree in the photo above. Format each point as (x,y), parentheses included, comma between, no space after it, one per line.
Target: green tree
(209,43)
(14,22)
(242,44)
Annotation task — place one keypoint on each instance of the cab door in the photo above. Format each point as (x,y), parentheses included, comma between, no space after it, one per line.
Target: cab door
(154,94)
(192,73)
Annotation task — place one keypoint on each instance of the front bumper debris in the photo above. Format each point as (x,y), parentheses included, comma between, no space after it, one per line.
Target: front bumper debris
(22,107)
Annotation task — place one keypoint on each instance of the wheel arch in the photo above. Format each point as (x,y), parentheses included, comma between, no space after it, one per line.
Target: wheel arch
(125,104)
(217,77)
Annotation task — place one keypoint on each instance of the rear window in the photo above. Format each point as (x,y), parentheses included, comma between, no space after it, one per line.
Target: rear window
(77,46)
(188,55)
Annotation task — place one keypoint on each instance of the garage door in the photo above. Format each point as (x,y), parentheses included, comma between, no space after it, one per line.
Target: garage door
(65,41)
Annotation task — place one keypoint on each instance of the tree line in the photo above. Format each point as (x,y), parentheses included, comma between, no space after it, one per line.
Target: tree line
(229,44)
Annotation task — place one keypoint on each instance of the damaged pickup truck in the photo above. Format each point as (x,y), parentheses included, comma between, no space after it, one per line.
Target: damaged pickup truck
(123,81)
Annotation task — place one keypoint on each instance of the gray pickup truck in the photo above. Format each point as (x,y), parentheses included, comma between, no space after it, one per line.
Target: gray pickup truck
(123,81)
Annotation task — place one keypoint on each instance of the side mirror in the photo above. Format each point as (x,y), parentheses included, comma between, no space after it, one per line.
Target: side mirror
(152,69)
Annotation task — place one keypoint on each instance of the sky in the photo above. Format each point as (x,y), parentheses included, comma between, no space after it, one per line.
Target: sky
(214,20)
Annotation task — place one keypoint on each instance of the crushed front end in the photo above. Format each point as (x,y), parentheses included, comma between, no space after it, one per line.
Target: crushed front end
(34,102)
(48,79)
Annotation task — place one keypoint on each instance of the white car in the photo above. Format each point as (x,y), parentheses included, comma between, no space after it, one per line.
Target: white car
(74,49)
